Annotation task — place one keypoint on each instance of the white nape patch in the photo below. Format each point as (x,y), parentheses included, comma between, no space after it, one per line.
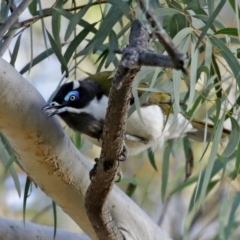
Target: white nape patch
(76,84)
(96,108)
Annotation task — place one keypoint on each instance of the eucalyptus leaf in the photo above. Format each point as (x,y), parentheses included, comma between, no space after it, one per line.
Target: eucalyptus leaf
(210,21)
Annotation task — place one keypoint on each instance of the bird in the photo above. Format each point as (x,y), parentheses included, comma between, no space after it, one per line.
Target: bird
(82,105)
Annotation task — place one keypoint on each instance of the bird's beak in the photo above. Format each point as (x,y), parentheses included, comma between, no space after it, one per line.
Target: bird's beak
(51,109)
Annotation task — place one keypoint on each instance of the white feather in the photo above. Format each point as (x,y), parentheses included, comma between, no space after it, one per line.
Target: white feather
(76,84)
(151,128)
(97,108)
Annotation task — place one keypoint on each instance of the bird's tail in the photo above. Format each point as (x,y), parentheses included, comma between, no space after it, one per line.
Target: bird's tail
(198,135)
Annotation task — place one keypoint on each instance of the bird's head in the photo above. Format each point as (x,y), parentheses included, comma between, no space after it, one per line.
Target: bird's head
(72,97)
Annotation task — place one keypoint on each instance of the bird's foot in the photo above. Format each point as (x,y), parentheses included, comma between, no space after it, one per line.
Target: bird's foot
(136,139)
(92,173)
(124,154)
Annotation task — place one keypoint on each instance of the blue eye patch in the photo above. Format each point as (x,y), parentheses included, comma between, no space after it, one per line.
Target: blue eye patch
(72,94)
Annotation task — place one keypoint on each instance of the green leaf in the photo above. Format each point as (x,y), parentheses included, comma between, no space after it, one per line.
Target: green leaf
(42,24)
(194,67)
(216,71)
(165,168)
(121,5)
(37,60)
(228,56)
(112,17)
(32,7)
(75,20)
(102,58)
(218,165)
(228,31)
(182,35)
(233,4)
(56,22)
(233,139)
(183,185)
(236,170)
(28,184)
(231,216)
(54,218)
(7,155)
(195,5)
(210,7)
(81,23)
(4,10)
(176,90)
(113,45)
(15,50)
(160,12)
(10,161)
(151,158)
(189,157)
(210,21)
(176,23)
(213,154)
(74,44)
(58,53)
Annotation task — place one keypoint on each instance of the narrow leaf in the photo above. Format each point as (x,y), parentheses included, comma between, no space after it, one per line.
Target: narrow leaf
(233,139)
(15,51)
(54,218)
(228,56)
(151,158)
(37,60)
(58,53)
(165,168)
(75,20)
(228,31)
(25,196)
(236,170)
(210,21)
(113,45)
(81,23)
(231,216)
(56,22)
(32,7)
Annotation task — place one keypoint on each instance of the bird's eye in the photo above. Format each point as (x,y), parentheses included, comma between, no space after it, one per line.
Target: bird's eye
(72,98)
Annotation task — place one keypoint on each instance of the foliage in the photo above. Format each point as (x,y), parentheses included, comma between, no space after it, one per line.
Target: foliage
(210,92)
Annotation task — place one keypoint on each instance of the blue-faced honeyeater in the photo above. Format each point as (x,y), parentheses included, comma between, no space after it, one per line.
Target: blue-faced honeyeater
(83,104)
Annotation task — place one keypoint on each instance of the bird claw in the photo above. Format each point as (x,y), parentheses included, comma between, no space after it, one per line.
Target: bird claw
(119,174)
(93,171)
(124,154)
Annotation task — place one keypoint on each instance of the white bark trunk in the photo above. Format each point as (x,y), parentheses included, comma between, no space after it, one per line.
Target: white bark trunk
(54,164)
(17,230)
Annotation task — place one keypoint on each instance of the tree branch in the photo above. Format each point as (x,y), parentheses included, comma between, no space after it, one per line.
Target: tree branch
(51,160)
(13,17)
(177,57)
(12,229)
(113,137)
(28,22)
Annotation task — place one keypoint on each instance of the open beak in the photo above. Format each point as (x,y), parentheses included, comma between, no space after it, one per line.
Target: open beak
(51,109)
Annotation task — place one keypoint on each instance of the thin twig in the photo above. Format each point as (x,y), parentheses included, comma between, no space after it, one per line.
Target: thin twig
(13,17)
(6,41)
(113,136)
(26,23)
(177,57)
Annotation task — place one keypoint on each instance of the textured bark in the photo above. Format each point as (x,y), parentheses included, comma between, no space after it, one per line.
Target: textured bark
(113,137)
(54,164)
(177,57)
